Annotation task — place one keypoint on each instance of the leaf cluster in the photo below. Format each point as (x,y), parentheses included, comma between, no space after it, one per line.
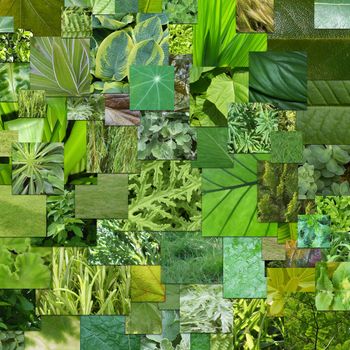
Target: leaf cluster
(324,171)
(212,92)
(12,340)
(253,328)
(37,168)
(23,266)
(308,329)
(170,339)
(129,40)
(180,39)
(277,192)
(17,310)
(63,228)
(281,281)
(164,197)
(111,149)
(32,104)
(313,231)
(332,286)
(204,310)
(86,108)
(187,257)
(166,135)
(116,247)
(15,47)
(76,22)
(250,126)
(181,11)
(81,289)
(338,210)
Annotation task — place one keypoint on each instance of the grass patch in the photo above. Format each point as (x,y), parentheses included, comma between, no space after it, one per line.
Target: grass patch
(187,257)
(107,200)
(22,216)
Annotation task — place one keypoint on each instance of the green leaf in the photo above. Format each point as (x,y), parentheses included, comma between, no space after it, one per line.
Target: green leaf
(144,318)
(104,332)
(75,149)
(278,78)
(150,6)
(43,19)
(103,7)
(14,77)
(221,93)
(60,66)
(146,52)
(334,121)
(152,88)
(212,149)
(146,285)
(332,15)
(328,93)
(151,28)
(230,200)
(112,56)
(6,24)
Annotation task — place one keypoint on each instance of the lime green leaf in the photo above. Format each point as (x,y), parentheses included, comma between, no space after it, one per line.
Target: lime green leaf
(221,93)
(146,285)
(230,200)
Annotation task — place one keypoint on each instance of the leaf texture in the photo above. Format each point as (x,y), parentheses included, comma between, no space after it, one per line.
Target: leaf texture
(328,93)
(279,78)
(324,125)
(43,18)
(60,66)
(146,285)
(230,200)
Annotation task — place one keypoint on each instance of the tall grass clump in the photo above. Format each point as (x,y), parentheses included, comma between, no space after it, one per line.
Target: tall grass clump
(81,289)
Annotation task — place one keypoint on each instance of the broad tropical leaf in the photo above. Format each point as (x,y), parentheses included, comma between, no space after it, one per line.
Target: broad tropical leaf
(13,77)
(60,66)
(152,88)
(279,78)
(230,200)
(43,18)
(215,42)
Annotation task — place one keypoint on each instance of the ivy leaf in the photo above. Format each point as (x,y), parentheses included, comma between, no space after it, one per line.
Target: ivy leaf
(146,284)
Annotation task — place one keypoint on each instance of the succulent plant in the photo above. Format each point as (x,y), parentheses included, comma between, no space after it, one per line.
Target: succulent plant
(323,171)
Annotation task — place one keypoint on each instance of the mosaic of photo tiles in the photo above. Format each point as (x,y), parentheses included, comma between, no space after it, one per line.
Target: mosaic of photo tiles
(174,175)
